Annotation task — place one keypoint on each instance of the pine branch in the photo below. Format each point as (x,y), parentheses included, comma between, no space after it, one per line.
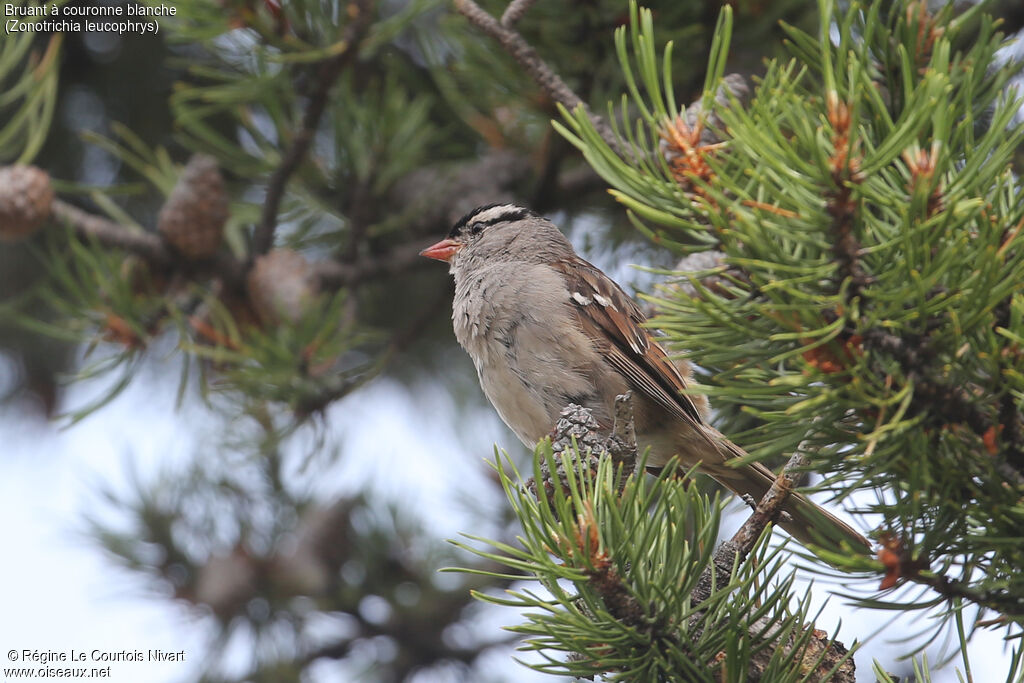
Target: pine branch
(946,402)
(432,198)
(148,245)
(841,203)
(826,658)
(400,259)
(621,443)
(739,546)
(515,11)
(769,507)
(434,202)
(823,658)
(1011,422)
(1002,602)
(356,30)
(526,56)
(577,427)
(333,388)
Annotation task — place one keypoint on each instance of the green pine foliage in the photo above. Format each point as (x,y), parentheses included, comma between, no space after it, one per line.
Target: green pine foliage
(28,91)
(871,289)
(619,560)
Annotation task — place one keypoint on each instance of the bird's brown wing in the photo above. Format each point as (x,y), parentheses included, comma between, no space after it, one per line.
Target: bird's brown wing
(615,324)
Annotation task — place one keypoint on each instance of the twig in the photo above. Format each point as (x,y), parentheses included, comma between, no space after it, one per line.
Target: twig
(150,246)
(621,443)
(738,547)
(841,202)
(515,11)
(946,402)
(88,226)
(768,508)
(359,220)
(332,274)
(1000,601)
(147,245)
(339,649)
(431,199)
(330,69)
(577,423)
(901,564)
(825,659)
(821,657)
(527,57)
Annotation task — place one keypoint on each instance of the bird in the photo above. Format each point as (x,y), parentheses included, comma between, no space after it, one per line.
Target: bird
(545,328)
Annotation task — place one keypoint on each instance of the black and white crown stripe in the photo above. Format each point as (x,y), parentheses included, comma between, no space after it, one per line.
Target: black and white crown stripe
(484,216)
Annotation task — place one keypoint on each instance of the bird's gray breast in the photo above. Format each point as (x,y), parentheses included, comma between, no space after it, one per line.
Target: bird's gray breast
(514,320)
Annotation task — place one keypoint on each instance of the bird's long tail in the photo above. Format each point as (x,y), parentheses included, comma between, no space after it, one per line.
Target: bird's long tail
(807,521)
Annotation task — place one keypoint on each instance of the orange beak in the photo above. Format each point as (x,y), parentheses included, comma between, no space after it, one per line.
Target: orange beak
(442,251)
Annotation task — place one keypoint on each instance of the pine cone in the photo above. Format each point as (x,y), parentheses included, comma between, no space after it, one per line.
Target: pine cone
(26,198)
(281,286)
(192,220)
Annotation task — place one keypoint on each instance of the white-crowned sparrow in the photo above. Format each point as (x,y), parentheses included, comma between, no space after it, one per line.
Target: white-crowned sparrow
(545,328)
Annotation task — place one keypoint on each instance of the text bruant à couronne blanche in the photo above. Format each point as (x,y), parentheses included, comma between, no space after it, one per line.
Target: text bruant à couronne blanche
(130,10)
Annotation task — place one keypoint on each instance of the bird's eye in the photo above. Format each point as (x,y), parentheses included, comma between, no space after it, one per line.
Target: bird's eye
(475,228)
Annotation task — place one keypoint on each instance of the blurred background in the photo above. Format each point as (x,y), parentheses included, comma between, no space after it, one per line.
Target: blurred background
(152,503)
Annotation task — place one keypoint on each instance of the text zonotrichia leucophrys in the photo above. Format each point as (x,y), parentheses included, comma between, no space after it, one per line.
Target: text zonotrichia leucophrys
(546,328)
